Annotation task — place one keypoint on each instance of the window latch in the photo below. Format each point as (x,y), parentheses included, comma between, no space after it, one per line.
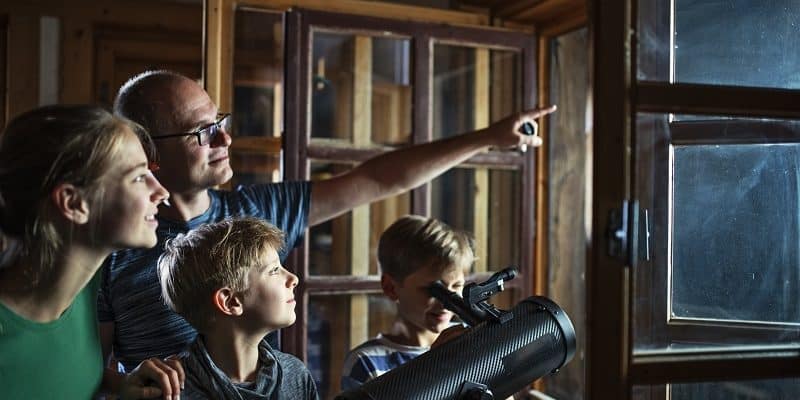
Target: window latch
(628,233)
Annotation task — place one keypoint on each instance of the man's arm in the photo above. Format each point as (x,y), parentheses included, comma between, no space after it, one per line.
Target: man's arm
(397,171)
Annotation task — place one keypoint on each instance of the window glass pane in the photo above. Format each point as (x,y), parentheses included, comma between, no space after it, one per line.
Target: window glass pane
(347,245)
(338,323)
(486,203)
(361,89)
(473,87)
(737,42)
(772,389)
(257,96)
(735,226)
(719,212)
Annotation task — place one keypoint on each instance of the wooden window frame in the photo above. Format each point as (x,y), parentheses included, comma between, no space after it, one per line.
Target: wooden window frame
(423,36)
(612,368)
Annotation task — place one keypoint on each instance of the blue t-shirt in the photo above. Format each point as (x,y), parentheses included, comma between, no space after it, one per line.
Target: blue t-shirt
(130,293)
(374,358)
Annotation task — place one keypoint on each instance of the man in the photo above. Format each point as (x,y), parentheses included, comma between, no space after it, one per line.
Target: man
(192,143)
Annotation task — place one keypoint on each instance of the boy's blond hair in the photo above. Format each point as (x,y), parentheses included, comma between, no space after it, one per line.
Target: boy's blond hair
(197,264)
(413,242)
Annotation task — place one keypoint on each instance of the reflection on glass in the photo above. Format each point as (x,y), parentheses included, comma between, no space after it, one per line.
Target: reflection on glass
(767,389)
(737,42)
(361,89)
(486,203)
(473,87)
(722,197)
(257,96)
(338,323)
(347,245)
(736,232)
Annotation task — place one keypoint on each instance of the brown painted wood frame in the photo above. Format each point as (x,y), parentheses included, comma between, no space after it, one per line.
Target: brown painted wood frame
(299,149)
(613,369)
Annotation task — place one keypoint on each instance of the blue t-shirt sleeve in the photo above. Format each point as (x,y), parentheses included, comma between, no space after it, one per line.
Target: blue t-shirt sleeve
(285,205)
(105,312)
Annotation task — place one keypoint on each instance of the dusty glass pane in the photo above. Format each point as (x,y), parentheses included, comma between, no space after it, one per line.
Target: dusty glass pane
(473,87)
(736,226)
(336,324)
(361,89)
(772,389)
(738,42)
(486,203)
(257,96)
(719,222)
(335,244)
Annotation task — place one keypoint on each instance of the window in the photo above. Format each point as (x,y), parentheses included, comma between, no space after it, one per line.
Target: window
(358,86)
(709,279)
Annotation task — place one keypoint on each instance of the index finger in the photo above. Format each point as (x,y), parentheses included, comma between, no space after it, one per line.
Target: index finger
(540,112)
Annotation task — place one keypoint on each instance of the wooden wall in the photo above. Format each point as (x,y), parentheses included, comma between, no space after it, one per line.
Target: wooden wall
(94,39)
(569,148)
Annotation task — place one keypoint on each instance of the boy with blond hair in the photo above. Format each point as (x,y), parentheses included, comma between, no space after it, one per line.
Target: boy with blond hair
(412,253)
(227,281)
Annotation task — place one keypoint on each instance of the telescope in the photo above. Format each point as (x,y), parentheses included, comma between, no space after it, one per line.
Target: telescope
(502,353)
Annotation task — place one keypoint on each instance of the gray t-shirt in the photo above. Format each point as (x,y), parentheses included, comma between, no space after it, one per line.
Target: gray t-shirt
(280,376)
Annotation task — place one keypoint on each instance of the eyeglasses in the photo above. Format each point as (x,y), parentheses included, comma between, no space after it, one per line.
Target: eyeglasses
(206,134)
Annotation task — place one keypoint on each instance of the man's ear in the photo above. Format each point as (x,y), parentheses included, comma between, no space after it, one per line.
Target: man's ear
(389,287)
(69,201)
(228,302)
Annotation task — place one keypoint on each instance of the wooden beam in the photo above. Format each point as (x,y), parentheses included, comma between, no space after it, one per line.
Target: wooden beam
(546,10)
(76,52)
(23,64)
(218,16)
(542,184)
(564,23)
(3,76)
(509,9)
(170,16)
(374,8)
(480,214)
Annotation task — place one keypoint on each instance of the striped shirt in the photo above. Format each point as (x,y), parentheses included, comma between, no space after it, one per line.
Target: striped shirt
(374,358)
(130,293)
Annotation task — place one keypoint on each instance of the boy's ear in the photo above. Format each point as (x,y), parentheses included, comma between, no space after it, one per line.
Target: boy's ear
(228,302)
(70,203)
(389,287)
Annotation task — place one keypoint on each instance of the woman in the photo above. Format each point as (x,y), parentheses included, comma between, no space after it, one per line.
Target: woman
(74,186)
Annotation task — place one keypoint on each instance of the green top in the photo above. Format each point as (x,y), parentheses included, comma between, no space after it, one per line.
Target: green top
(59,359)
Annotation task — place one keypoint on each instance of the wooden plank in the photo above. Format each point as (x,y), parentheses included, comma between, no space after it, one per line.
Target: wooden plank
(608,341)
(541,266)
(362,91)
(510,9)
(481,110)
(360,220)
(277,110)
(169,15)
(218,47)
(23,64)
(569,21)
(716,366)
(721,100)
(375,8)
(3,64)
(546,10)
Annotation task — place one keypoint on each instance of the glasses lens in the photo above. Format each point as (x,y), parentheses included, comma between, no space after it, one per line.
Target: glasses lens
(207,134)
(225,123)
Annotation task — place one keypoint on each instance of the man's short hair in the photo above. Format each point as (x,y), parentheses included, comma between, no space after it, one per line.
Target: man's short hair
(141,99)
(413,242)
(197,264)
